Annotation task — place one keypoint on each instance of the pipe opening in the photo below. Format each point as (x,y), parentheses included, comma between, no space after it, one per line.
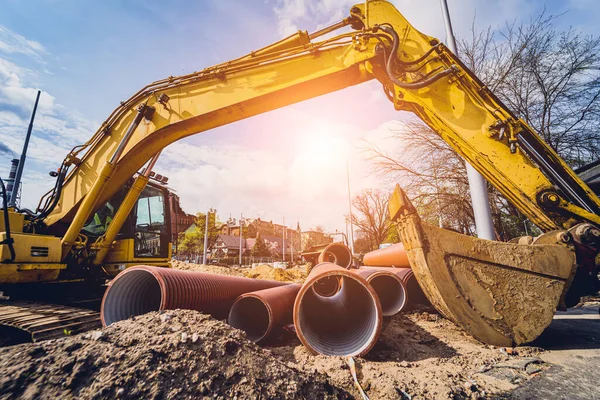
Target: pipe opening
(250,315)
(329,257)
(337,253)
(344,324)
(391,293)
(327,286)
(133,293)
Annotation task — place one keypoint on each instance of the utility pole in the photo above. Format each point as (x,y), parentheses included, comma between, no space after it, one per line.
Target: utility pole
(477,185)
(206,236)
(241,227)
(350,210)
(292,247)
(283,234)
(13,195)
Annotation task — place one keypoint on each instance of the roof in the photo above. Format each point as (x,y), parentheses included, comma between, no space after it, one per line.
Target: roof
(231,241)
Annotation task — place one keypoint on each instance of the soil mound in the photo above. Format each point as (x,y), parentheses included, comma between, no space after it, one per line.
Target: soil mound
(177,354)
(211,269)
(276,274)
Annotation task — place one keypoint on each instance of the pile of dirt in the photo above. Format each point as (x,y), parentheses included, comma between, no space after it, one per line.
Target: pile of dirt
(264,271)
(211,269)
(176,354)
(421,355)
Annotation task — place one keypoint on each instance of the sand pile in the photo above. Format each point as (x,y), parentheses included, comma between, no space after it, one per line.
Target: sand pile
(423,356)
(178,354)
(264,271)
(211,269)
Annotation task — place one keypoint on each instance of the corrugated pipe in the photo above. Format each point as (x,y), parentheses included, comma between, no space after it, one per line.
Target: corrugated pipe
(392,256)
(139,290)
(389,288)
(260,314)
(345,323)
(414,292)
(336,253)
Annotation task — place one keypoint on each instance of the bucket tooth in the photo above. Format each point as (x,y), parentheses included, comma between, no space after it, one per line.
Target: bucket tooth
(502,294)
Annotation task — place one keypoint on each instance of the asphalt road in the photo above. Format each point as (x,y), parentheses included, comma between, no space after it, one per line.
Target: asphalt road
(572,342)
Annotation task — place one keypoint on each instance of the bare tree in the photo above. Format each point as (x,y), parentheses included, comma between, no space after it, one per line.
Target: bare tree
(371,216)
(550,79)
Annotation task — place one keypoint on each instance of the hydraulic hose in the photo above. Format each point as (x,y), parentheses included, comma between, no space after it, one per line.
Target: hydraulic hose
(410,85)
(55,197)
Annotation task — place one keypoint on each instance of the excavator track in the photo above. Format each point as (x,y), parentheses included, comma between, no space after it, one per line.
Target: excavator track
(43,321)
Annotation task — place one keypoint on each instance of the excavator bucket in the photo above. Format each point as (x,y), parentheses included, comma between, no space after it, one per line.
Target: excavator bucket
(503,294)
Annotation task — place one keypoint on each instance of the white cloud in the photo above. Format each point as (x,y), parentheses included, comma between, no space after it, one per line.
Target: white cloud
(308,184)
(13,43)
(56,129)
(294,15)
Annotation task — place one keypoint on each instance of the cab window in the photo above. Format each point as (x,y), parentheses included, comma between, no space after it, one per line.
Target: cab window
(151,236)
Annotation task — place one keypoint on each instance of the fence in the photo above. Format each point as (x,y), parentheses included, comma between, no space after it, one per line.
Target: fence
(246,260)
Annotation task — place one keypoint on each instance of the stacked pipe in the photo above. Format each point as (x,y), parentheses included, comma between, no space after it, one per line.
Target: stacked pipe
(389,286)
(336,253)
(391,256)
(260,314)
(142,289)
(395,260)
(337,312)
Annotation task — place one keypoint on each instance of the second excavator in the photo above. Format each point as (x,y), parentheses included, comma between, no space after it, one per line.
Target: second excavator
(501,293)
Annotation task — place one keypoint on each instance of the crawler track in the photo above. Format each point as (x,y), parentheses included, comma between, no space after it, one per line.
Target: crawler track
(41,321)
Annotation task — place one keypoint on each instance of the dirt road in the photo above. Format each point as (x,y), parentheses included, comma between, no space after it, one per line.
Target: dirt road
(572,349)
(420,355)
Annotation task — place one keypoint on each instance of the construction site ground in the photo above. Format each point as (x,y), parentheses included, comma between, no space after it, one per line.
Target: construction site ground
(186,354)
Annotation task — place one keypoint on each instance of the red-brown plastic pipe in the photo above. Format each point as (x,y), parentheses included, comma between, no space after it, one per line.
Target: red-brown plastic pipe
(346,323)
(389,288)
(139,290)
(414,293)
(261,313)
(336,253)
(392,256)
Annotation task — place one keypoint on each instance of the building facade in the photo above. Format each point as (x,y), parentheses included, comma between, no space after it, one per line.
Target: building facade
(180,220)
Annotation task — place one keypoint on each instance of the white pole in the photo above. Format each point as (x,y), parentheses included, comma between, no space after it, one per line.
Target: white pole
(283,234)
(479,195)
(241,218)
(205,238)
(350,210)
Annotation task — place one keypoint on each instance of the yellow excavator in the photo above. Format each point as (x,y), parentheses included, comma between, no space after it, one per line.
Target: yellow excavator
(501,293)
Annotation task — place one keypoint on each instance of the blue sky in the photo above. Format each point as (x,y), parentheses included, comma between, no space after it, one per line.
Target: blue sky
(87,56)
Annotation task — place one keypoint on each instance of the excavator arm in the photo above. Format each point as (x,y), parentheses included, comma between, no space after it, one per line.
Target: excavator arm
(418,74)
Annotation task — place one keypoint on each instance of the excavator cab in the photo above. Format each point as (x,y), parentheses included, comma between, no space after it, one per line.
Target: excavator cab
(145,237)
